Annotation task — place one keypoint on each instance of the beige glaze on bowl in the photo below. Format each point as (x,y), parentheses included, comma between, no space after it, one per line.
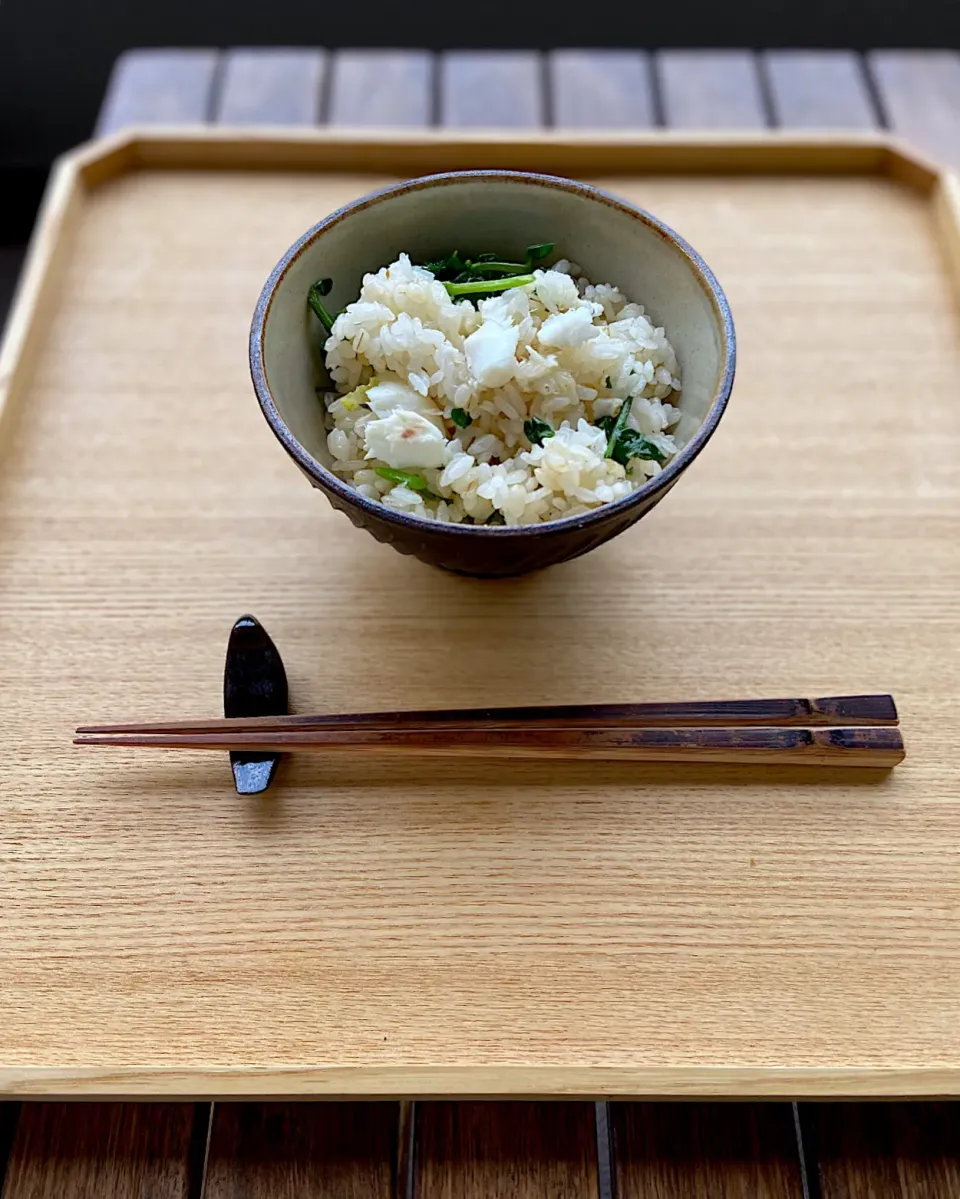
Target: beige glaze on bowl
(474,212)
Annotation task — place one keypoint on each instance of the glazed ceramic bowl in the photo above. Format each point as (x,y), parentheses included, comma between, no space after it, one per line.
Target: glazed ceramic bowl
(471,211)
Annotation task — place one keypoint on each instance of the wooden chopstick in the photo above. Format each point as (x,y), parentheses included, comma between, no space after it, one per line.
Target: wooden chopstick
(838,710)
(872,746)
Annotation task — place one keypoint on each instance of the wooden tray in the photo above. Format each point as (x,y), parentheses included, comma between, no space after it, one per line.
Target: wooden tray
(486,929)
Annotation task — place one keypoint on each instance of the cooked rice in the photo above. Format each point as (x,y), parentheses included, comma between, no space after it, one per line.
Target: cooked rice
(561,349)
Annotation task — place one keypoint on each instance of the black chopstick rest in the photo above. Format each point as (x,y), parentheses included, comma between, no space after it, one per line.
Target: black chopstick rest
(254,684)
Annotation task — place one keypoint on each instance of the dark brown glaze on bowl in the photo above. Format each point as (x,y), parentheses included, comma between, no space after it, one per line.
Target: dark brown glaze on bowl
(498,551)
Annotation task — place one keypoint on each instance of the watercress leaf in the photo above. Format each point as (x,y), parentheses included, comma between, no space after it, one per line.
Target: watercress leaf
(486,258)
(323,286)
(539,252)
(618,426)
(460,417)
(631,444)
(606,423)
(537,430)
(451,265)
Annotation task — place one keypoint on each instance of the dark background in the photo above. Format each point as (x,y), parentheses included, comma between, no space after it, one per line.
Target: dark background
(56,55)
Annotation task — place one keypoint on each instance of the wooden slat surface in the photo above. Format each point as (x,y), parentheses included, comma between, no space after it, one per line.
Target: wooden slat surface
(889,1151)
(601,89)
(507,1150)
(385,88)
(710,89)
(705,1151)
(270,87)
(151,87)
(920,93)
(487,88)
(818,89)
(302,1151)
(108,1150)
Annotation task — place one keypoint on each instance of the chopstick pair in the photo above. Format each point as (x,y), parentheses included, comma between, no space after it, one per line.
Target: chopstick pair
(858,730)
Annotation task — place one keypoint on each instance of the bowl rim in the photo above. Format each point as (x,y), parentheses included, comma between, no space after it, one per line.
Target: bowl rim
(643,496)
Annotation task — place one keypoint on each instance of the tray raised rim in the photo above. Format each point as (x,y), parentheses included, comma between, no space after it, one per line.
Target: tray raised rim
(480,1082)
(756,153)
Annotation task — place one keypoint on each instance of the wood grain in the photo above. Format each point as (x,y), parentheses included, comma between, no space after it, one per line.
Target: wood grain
(710,89)
(897,1150)
(401,928)
(920,94)
(301,1151)
(818,89)
(601,89)
(705,1151)
(385,88)
(491,89)
(159,87)
(270,87)
(511,1150)
(82,1151)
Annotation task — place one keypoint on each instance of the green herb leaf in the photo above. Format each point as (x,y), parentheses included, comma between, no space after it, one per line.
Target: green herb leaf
(453,263)
(624,443)
(618,426)
(537,430)
(460,417)
(456,270)
(538,253)
(414,482)
(321,288)
(631,444)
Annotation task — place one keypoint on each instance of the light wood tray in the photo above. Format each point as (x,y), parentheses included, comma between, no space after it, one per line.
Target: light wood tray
(478,928)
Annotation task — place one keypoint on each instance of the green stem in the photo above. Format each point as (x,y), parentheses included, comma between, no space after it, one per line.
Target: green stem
(320,311)
(481,285)
(619,425)
(501,268)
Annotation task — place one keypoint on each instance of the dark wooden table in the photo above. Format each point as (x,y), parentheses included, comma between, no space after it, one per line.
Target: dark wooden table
(465,1150)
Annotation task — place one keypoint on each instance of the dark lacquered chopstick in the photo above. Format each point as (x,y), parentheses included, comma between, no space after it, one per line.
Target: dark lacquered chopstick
(876,746)
(841,710)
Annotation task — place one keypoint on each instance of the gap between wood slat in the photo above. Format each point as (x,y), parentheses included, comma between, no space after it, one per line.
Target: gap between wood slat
(491,89)
(710,89)
(919,91)
(388,88)
(601,89)
(159,87)
(807,1149)
(115,1150)
(818,89)
(270,87)
(9,1115)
